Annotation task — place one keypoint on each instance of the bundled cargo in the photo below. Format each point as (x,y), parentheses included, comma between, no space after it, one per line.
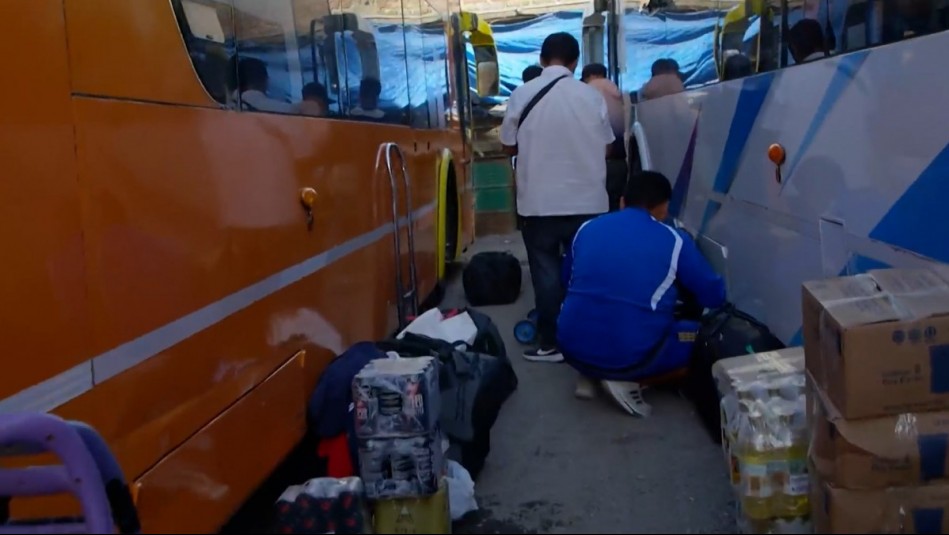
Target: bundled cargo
(397,408)
(324,505)
(429,514)
(877,357)
(401,467)
(765,438)
(397,398)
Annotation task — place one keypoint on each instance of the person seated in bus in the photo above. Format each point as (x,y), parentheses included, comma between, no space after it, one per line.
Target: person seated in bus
(624,269)
(806,41)
(369,91)
(253,80)
(666,80)
(736,66)
(531,72)
(595,76)
(315,100)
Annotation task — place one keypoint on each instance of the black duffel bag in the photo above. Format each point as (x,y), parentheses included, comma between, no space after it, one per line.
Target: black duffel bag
(492,278)
(474,386)
(726,332)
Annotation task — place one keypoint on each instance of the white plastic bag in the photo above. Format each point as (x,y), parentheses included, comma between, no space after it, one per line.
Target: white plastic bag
(461,491)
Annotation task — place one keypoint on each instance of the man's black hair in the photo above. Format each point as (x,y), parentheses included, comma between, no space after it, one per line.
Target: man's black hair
(531,72)
(647,189)
(370,87)
(805,38)
(737,66)
(593,69)
(665,66)
(251,73)
(315,90)
(560,47)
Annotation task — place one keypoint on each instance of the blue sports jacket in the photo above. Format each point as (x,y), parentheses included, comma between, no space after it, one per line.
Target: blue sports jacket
(621,292)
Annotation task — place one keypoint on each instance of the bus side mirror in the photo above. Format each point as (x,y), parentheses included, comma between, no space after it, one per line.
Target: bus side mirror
(488,81)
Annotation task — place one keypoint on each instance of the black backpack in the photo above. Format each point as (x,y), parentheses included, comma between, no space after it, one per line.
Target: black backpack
(727,332)
(492,278)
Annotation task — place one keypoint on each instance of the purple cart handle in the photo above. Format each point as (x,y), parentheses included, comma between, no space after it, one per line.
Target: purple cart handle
(79,474)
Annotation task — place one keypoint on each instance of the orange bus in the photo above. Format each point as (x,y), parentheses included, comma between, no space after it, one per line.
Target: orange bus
(188,244)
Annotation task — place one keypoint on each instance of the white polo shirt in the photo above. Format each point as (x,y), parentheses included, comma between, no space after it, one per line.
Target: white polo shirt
(561,160)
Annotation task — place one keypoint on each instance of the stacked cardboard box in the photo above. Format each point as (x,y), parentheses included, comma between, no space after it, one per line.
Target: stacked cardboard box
(877,357)
(401,454)
(764,437)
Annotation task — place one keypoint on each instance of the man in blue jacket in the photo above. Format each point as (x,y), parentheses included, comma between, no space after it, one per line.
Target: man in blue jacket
(617,322)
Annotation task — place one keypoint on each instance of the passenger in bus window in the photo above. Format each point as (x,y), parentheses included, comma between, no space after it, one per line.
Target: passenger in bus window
(315,100)
(531,72)
(736,66)
(624,272)
(666,80)
(253,79)
(806,41)
(369,91)
(595,75)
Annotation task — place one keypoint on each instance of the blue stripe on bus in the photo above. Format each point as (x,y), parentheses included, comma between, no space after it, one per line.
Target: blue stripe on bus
(846,71)
(754,90)
(917,221)
(681,187)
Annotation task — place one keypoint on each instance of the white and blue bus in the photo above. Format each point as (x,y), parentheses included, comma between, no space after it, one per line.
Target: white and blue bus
(864,133)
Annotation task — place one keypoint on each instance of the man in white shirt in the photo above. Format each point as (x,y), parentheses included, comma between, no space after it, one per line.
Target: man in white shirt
(559,129)
(806,41)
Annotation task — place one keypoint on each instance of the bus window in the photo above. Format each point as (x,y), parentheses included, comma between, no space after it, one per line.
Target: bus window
(436,72)
(320,92)
(415,63)
(269,74)
(207,27)
(371,88)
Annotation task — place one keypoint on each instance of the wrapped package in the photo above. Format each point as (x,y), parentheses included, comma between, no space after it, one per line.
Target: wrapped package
(404,467)
(429,514)
(765,438)
(397,397)
(324,505)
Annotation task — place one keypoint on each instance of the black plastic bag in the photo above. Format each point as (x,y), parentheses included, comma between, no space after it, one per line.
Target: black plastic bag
(727,332)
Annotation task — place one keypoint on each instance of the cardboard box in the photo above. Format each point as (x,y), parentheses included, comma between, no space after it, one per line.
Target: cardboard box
(890,451)
(892,510)
(878,344)
(414,515)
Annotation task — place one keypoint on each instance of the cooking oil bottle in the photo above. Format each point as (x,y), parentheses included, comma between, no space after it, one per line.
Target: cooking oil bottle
(794,498)
(754,455)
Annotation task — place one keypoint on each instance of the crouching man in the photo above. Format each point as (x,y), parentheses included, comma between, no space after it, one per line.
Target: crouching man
(617,322)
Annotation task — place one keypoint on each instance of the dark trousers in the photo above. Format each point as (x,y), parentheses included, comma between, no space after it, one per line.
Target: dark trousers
(546,238)
(616,177)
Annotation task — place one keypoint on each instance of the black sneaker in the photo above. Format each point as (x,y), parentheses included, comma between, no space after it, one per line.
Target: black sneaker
(543,355)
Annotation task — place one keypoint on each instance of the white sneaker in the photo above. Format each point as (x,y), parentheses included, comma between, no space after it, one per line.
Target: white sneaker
(585,388)
(543,355)
(629,396)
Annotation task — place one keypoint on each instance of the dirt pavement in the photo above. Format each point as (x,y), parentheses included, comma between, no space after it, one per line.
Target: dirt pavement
(561,465)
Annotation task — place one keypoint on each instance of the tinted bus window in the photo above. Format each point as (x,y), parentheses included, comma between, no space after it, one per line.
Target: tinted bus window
(321,88)
(269,74)
(415,63)
(436,72)
(207,27)
(371,69)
